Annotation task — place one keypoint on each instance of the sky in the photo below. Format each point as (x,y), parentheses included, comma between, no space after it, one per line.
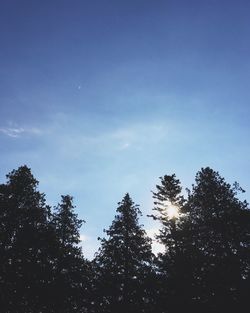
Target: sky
(102,97)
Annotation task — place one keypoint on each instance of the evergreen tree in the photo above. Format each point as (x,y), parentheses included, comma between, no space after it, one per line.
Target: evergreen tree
(25,243)
(124,264)
(174,273)
(205,266)
(220,231)
(71,284)
(168,196)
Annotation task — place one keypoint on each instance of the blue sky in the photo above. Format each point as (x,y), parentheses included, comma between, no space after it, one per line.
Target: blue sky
(102,97)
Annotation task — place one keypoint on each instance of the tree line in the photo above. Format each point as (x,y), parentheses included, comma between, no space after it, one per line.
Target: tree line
(205,266)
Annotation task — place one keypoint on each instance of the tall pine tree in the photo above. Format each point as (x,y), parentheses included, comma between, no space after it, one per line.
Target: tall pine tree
(124,264)
(205,266)
(71,285)
(26,245)
(220,231)
(174,276)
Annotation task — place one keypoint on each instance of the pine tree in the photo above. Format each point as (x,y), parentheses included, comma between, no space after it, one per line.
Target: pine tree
(124,263)
(220,231)
(168,195)
(174,273)
(206,263)
(26,263)
(71,284)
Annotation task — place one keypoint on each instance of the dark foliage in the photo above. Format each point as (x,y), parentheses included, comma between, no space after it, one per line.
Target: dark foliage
(219,225)
(124,264)
(205,266)
(71,284)
(41,268)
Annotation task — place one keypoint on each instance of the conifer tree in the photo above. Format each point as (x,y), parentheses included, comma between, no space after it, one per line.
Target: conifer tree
(71,284)
(26,239)
(220,231)
(174,276)
(205,266)
(124,263)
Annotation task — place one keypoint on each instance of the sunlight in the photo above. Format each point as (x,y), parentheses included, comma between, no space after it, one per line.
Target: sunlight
(172,211)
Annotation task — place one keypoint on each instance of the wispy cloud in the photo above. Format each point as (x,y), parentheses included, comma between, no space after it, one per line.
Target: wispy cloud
(12,132)
(138,135)
(16,132)
(75,142)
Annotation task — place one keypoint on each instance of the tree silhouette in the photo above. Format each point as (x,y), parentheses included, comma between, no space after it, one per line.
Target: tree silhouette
(26,239)
(42,268)
(174,274)
(220,231)
(71,271)
(205,266)
(124,263)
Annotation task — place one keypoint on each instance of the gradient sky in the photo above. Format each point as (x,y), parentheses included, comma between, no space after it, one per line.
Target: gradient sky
(102,97)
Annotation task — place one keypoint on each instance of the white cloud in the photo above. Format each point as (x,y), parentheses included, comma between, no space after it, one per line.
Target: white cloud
(12,132)
(16,132)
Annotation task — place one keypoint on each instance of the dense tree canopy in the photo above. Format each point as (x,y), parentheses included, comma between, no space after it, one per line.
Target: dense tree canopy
(206,261)
(39,256)
(205,266)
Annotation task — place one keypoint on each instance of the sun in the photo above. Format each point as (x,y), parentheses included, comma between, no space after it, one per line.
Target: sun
(172,211)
